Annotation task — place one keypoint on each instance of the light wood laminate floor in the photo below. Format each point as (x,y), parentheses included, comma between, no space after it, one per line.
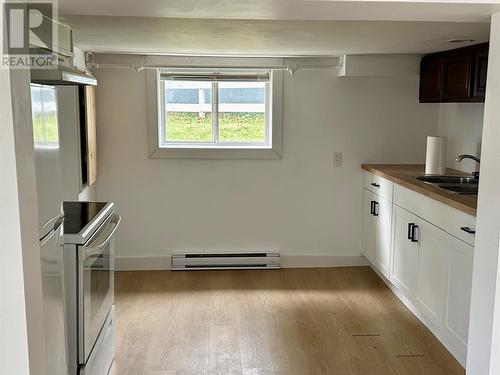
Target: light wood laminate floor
(302,321)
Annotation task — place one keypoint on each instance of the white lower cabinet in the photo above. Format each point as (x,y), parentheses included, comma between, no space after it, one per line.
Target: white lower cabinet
(404,252)
(421,256)
(369,223)
(430,268)
(432,271)
(382,259)
(456,318)
(376,240)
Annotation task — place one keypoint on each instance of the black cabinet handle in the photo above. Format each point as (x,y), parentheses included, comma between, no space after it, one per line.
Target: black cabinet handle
(375,212)
(372,207)
(468,230)
(410,227)
(413,234)
(374,184)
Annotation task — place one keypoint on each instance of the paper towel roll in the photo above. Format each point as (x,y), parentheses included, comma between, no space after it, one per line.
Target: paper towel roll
(435,159)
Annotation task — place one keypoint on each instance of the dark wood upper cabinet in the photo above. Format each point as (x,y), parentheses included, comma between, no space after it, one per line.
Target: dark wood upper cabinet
(454,76)
(431,78)
(480,70)
(457,77)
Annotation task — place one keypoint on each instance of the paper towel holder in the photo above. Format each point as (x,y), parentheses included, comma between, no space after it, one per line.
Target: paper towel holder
(435,155)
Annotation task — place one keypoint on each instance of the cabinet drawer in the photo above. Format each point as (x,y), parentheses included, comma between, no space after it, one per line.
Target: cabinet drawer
(445,217)
(378,185)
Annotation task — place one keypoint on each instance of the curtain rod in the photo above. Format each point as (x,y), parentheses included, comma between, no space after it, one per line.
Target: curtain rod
(289,68)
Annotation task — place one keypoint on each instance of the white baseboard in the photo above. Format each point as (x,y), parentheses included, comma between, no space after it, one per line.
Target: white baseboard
(147,263)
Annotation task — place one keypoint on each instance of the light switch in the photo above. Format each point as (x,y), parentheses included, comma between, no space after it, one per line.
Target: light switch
(337,159)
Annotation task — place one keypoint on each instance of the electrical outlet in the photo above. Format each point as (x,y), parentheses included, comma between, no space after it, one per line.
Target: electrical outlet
(337,159)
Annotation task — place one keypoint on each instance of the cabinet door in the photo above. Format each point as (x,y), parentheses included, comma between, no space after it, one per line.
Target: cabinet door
(368,238)
(404,252)
(431,79)
(480,72)
(457,77)
(456,320)
(383,229)
(432,274)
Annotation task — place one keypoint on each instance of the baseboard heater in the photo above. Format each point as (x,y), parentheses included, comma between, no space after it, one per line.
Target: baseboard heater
(225,261)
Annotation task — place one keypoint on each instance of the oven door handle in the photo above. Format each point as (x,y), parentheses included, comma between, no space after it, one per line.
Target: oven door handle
(93,249)
(54,229)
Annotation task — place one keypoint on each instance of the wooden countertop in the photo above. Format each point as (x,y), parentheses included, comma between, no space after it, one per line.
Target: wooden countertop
(404,175)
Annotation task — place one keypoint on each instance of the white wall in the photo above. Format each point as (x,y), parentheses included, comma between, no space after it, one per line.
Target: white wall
(22,345)
(14,357)
(462,123)
(484,329)
(300,204)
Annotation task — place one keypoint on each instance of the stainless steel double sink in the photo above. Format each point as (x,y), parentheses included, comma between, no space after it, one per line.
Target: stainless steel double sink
(461,185)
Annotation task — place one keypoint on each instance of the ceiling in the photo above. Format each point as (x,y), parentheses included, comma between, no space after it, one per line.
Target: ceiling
(374,10)
(258,37)
(275,27)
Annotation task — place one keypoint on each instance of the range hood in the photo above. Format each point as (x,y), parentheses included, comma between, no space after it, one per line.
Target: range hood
(64,73)
(62,76)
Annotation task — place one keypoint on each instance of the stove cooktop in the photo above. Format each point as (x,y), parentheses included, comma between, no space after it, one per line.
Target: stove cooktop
(78,215)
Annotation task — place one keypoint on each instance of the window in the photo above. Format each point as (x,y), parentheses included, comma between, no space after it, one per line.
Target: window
(44,109)
(217,113)
(207,109)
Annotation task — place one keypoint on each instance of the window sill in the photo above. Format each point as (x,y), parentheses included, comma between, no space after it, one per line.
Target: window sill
(215,153)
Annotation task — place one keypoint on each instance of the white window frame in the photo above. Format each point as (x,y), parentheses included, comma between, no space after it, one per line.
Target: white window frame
(271,149)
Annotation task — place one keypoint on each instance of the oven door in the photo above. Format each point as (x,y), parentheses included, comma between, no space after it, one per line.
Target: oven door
(96,285)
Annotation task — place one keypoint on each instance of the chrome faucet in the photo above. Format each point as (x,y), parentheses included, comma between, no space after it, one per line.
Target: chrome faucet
(472,157)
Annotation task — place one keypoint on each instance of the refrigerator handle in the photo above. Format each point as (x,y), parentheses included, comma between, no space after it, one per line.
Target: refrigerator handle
(56,227)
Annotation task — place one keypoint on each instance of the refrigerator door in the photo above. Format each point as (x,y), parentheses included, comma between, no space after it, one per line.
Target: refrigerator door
(50,219)
(47,157)
(51,248)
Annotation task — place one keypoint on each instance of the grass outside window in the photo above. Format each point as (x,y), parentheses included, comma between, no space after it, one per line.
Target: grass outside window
(239,126)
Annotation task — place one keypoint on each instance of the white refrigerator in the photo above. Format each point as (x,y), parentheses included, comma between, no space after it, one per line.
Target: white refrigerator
(51,221)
